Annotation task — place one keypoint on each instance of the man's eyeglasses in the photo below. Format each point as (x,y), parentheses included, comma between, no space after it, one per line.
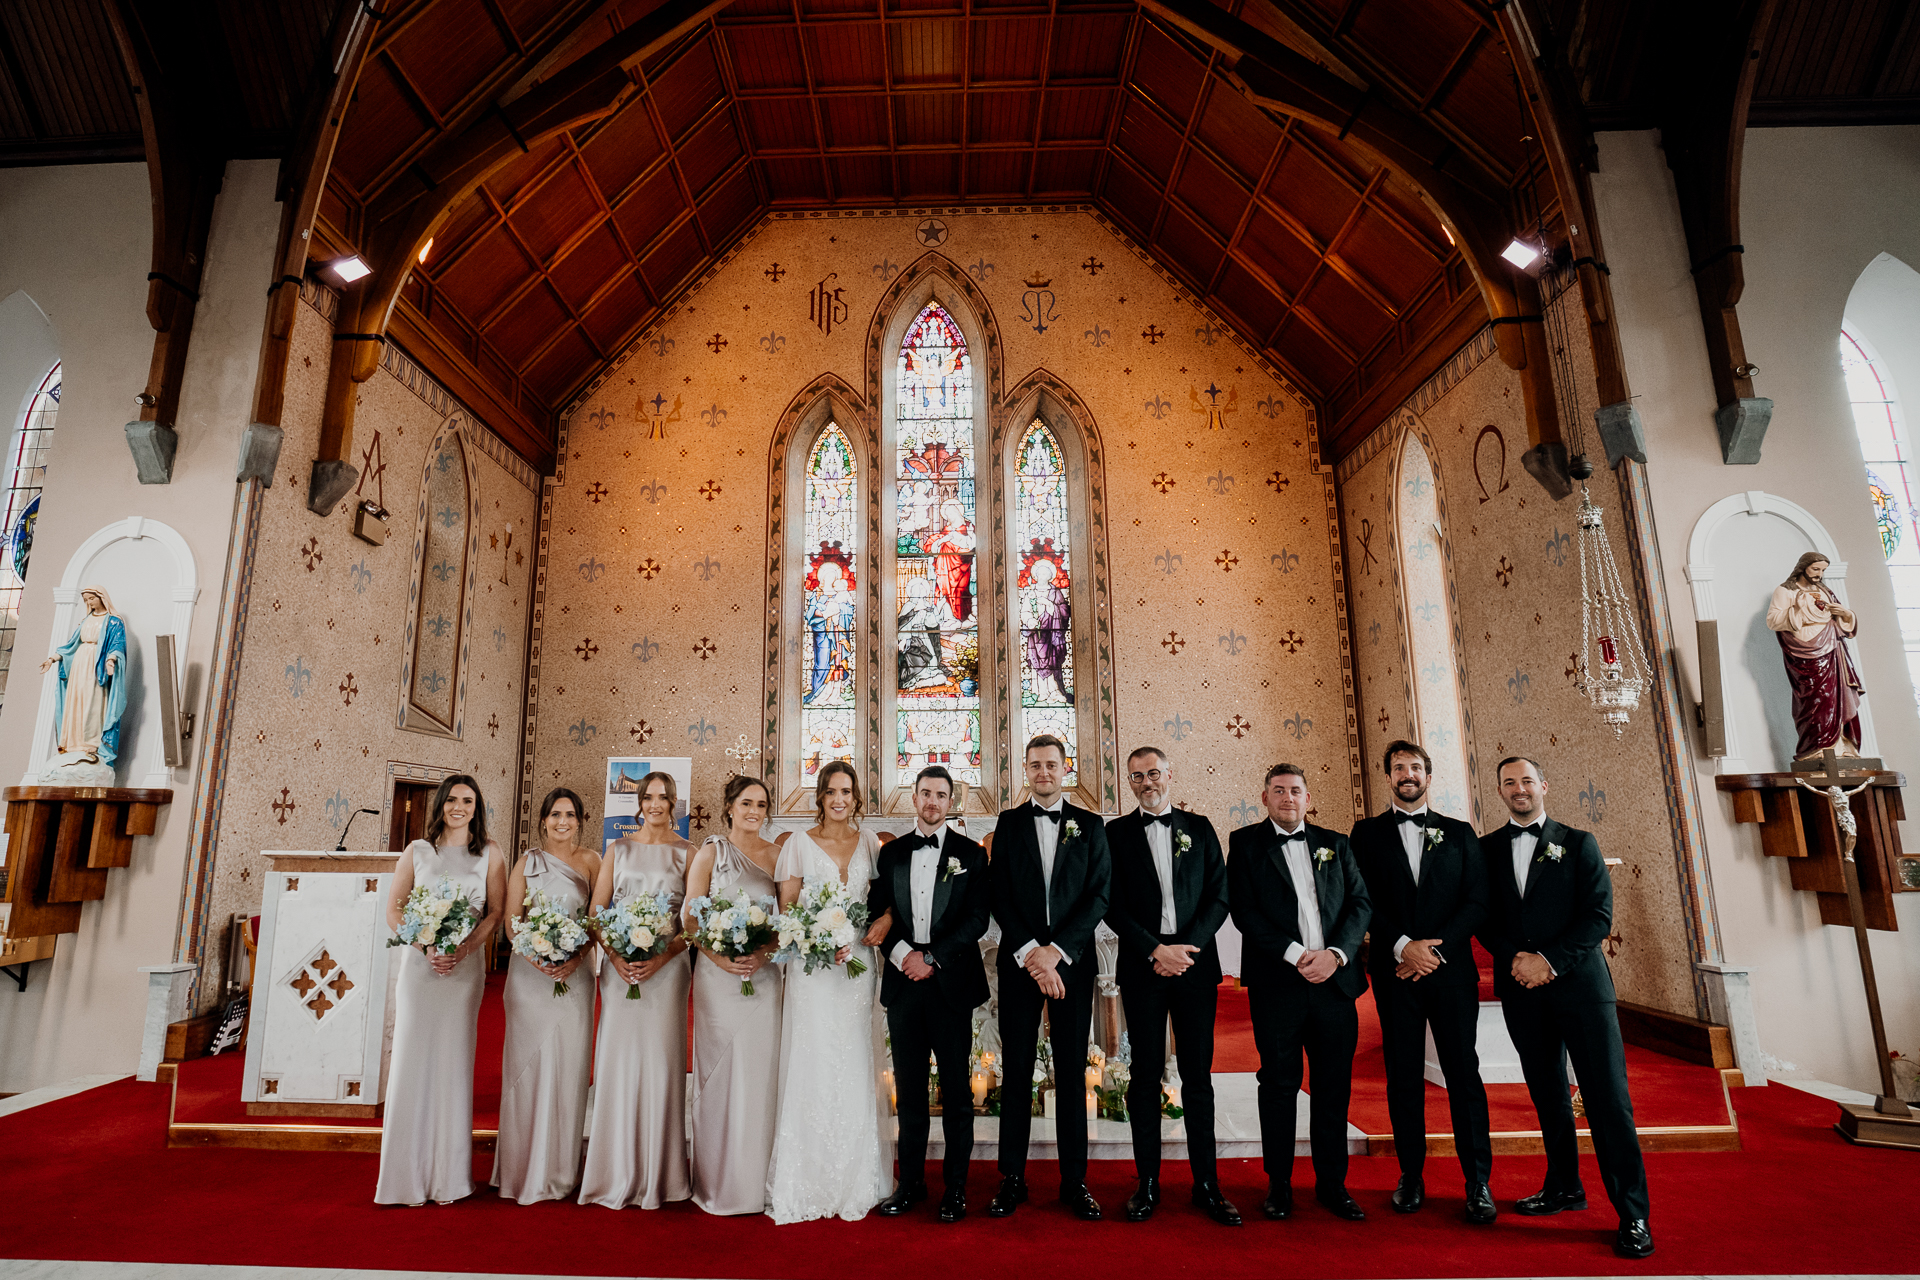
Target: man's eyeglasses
(1151,775)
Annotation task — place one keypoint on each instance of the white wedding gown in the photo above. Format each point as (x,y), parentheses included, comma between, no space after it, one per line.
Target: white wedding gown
(831,1153)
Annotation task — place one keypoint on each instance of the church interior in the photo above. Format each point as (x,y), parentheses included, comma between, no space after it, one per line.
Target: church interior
(754,384)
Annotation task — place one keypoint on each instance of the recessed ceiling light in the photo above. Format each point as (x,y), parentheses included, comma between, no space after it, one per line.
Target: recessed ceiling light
(350,268)
(1520,253)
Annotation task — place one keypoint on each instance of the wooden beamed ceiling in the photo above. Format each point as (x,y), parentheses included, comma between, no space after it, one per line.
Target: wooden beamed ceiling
(1317,255)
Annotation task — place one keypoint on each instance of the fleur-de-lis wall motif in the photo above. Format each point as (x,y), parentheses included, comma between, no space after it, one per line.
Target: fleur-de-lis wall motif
(581,732)
(601,418)
(1557,547)
(645,649)
(1098,335)
(1157,407)
(1593,801)
(1207,333)
(702,731)
(653,491)
(1270,406)
(1221,483)
(439,624)
(1178,727)
(592,568)
(362,577)
(661,345)
(1519,684)
(713,415)
(981,270)
(706,568)
(1298,725)
(1285,561)
(1233,642)
(299,676)
(1168,563)
(773,343)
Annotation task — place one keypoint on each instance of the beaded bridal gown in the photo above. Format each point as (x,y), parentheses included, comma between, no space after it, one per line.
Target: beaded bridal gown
(832,1156)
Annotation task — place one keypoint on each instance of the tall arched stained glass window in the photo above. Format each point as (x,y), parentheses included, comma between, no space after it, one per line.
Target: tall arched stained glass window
(827,657)
(937,667)
(1884,446)
(26,463)
(1045,590)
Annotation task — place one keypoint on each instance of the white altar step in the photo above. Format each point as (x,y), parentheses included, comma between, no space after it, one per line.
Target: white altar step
(1236,1128)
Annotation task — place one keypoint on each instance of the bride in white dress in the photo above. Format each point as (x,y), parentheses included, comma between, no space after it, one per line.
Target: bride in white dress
(832,1156)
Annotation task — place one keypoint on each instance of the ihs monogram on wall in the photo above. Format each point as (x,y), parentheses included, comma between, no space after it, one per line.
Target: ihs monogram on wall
(825,306)
(1036,304)
(656,419)
(1216,412)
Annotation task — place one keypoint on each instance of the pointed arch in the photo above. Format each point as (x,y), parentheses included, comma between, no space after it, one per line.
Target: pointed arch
(446,560)
(1043,399)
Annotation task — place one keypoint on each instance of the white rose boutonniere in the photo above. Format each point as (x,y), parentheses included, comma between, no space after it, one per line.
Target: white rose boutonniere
(1182,844)
(1323,854)
(1071,831)
(954,868)
(1552,853)
(1434,836)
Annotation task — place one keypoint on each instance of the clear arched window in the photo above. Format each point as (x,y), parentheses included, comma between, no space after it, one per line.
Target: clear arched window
(937,629)
(1432,651)
(1044,590)
(1884,446)
(26,462)
(829,605)
(433,675)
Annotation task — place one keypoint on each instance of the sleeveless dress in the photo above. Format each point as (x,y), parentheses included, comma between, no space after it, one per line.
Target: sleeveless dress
(637,1145)
(549,1051)
(426,1142)
(736,1052)
(831,1155)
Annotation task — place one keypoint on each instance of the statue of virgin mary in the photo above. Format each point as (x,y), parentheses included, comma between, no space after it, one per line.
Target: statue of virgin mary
(91,696)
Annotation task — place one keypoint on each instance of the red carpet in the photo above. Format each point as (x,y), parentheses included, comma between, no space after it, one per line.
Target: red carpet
(101,1185)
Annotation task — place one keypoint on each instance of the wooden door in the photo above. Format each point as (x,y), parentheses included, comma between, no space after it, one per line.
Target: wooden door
(410,803)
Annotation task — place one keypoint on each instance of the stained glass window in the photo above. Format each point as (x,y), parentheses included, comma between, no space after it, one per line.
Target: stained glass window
(26,462)
(1044,589)
(827,660)
(937,666)
(1881,428)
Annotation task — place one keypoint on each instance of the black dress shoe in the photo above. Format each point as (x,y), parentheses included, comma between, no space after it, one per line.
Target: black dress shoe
(1279,1202)
(1081,1201)
(1141,1203)
(953,1205)
(1011,1195)
(1634,1240)
(1341,1205)
(904,1197)
(1207,1196)
(1409,1195)
(1543,1203)
(1480,1205)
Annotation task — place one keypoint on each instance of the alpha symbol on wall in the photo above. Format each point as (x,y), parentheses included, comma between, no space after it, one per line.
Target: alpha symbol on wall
(657,415)
(825,306)
(931,232)
(1215,410)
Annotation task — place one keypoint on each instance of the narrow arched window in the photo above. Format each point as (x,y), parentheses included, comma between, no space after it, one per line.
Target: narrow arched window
(446,551)
(937,629)
(1891,483)
(26,462)
(1044,591)
(828,661)
(1432,649)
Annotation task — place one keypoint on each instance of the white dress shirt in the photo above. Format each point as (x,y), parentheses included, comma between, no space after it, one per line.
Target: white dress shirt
(1300,866)
(1524,843)
(1160,845)
(1416,848)
(923,873)
(1046,835)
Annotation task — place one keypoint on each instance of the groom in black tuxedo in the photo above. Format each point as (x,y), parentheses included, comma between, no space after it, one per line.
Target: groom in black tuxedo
(1302,910)
(1169,900)
(1551,909)
(935,883)
(1050,883)
(1428,883)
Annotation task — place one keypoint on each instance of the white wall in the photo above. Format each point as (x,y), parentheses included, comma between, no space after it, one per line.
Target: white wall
(1819,205)
(77,244)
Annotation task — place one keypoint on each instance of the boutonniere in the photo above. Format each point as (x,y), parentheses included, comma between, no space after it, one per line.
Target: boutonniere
(1323,854)
(1434,836)
(1182,843)
(1552,853)
(1071,831)
(954,868)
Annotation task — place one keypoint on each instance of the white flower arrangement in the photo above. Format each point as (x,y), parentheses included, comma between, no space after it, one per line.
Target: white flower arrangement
(1071,831)
(732,923)
(1552,853)
(1323,854)
(822,920)
(1434,836)
(954,868)
(548,934)
(437,918)
(1183,843)
(637,929)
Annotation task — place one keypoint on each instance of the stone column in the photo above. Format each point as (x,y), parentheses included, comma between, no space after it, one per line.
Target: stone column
(167,987)
(1730,1002)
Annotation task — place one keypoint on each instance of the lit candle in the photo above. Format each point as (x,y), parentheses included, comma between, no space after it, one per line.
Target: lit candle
(893,1101)
(1173,1093)
(979,1083)
(1050,1095)
(1093,1108)
(1093,1078)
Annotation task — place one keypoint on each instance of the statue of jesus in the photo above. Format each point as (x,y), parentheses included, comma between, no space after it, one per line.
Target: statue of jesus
(1813,625)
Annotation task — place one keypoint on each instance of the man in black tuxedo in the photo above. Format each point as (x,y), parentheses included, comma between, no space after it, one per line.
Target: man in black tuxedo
(1050,881)
(1428,883)
(1169,899)
(1551,908)
(935,883)
(1302,910)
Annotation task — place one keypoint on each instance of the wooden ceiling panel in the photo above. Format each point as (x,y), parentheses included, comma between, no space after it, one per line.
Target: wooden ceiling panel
(620,310)
(847,55)
(685,91)
(1825,50)
(855,121)
(927,51)
(1076,115)
(70,69)
(827,8)
(1089,46)
(264,41)
(648,211)
(779,124)
(1249,300)
(622,148)
(1307,187)
(445,52)
(710,153)
(1419,43)
(1063,173)
(1272,247)
(1189,247)
(766,57)
(998,173)
(1481,101)
(729,207)
(1131,197)
(511,182)
(1343,309)
(929,175)
(383,125)
(1238,132)
(556,211)
(800,180)
(1008,49)
(556,370)
(487,276)
(929,119)
(1002,117)
(677,258)
(1376,249)
(1148,138)
(589,265)
(528,323)
(1168,73)
(525,17)
(1212,193)
(863,178)
(1319,363)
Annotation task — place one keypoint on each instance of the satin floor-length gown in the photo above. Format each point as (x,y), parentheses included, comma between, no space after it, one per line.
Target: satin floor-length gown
(548,1056)
(637,1143)
(736,1056)
(426,1142)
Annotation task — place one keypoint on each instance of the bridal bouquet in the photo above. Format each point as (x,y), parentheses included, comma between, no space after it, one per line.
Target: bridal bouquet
(823,919)
(438,918)
(547,934)
(731,923)
(636,929)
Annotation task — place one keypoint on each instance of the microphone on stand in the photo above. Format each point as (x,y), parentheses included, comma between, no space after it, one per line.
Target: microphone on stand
(342,846)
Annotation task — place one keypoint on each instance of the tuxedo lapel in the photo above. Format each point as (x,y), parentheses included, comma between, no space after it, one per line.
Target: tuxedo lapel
(903,889)
(1322,880)
(1065,857)
(1185,878)
(1539,863)
(942,888)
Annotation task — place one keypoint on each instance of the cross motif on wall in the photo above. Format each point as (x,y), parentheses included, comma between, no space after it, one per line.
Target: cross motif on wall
(1226,560)
(715,343)
(774,272)
(348,688)
(586,649)
(1277,482)
(641,732)
(595,492)
(710,490)
(1092,266)
(649,568)
(1163,482)
(493,726)
(1173,643)
(1153,333)
(1292,641)
(283,806)
(1238,727)
(705,649)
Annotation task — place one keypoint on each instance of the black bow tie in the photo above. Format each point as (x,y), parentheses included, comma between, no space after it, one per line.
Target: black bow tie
(1161,819)
(1051,815)
(1417,819)
(1531,829)
(918,841)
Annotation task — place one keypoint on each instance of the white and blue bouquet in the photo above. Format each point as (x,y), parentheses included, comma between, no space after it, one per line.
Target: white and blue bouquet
(823,919)
(437,918)
(637,929)
(731,923)
(548,934)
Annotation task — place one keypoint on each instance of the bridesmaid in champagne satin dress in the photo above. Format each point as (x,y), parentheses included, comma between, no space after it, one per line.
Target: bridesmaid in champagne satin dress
(426,1142)
(549,1042)
(637,1147)
(736,1038)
